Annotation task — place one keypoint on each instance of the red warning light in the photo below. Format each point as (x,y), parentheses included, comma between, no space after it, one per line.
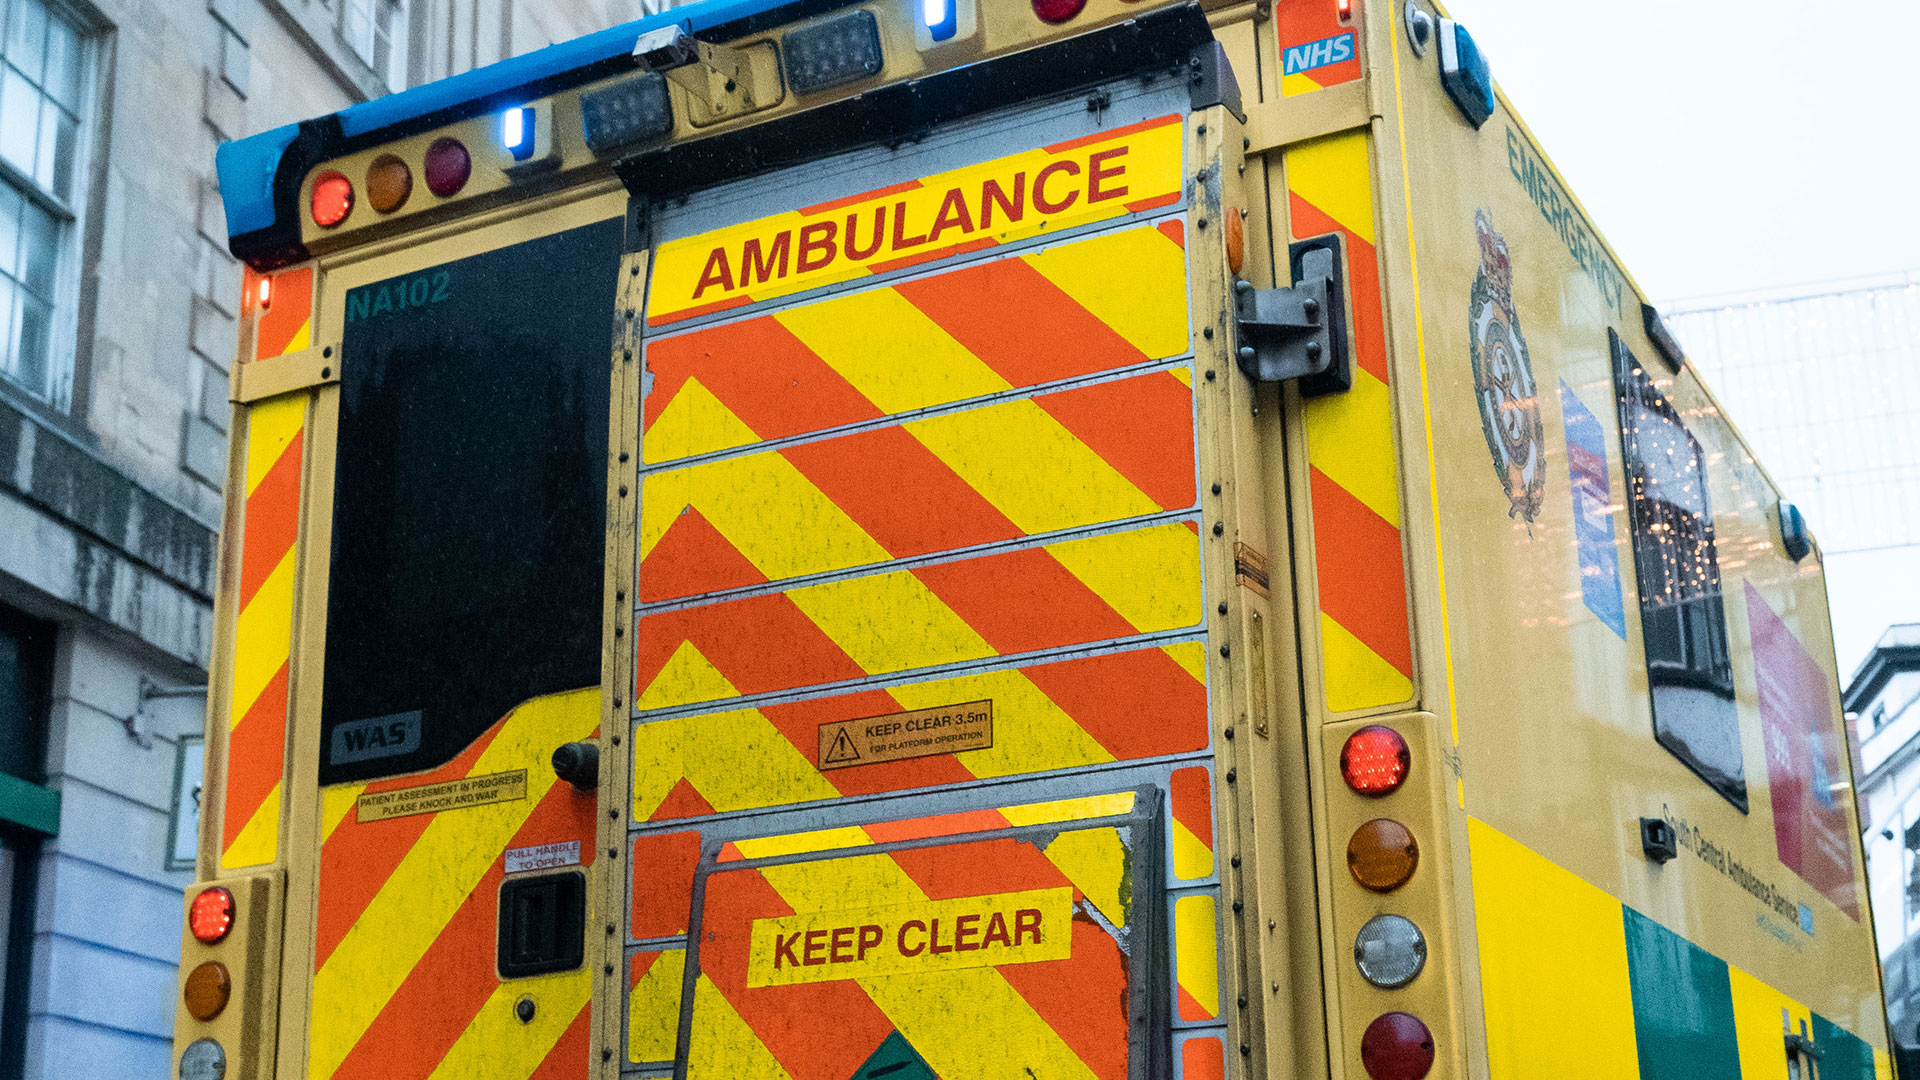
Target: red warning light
(1397,1046)
(1345,8)
(332,200)
(266,293)
(1058,11)
(1375,760)
(211,915)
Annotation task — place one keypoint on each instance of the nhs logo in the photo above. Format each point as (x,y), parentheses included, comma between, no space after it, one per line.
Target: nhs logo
(1319,54)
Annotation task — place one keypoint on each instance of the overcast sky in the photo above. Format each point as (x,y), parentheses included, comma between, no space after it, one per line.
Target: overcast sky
(1724,147)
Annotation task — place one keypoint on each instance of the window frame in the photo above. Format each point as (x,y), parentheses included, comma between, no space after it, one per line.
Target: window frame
(1690,686)
(58,394)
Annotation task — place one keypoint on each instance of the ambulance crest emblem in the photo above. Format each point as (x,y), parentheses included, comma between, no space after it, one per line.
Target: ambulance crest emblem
(1503,378)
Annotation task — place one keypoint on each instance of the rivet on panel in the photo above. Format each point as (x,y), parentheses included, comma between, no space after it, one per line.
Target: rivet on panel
(623,456)
(1238,907)
(1216,489)
(1209,374)
(1233,775)
(1207,332)
(613,853)
(616,738)
(1223,607)
(610,929)
(606,1054)
(1219,528)
(326,373)
(1226,650)
(327,353)
(1235,861)
(608,969)
(623,491)
(1229,734)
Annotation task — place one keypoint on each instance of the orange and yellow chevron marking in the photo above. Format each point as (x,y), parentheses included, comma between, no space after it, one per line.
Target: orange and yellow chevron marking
(998,472)
(1121,706)
(1088,857)
(263,634)
(1191,803)
(1081,591)
(1072,183)
(286,324)
(1366,640)
(404,986)
(1317,50)
(1063,1019)
(1196,951)
(653,1002)
(1020,321)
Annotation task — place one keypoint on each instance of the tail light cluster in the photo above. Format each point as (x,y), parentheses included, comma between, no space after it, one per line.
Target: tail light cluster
(209,986)
(1390,950)
(388,184)
(220,984)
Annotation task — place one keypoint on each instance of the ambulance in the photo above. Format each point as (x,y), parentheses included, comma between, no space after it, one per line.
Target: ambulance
(996,540)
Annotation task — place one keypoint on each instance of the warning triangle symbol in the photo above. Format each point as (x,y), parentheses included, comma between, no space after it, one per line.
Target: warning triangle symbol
(896,1059)
(841,750)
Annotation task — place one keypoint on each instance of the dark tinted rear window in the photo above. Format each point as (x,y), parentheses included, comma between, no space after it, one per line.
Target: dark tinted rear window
(470,499)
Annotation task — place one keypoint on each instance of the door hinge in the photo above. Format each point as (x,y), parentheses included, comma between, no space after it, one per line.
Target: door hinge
(1299,331)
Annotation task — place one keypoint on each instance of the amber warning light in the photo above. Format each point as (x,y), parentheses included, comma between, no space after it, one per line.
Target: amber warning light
(1375,760)
(211,915)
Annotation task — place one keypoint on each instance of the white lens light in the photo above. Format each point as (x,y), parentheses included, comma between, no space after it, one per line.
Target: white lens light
(203,1059)
(941,18)
(516,132)
(1390,951)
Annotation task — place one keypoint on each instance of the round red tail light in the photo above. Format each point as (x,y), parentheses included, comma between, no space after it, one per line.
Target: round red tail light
(1375,760)
(1058,11)
(211,915)
(448,166)
(332,200)
(1397,1046)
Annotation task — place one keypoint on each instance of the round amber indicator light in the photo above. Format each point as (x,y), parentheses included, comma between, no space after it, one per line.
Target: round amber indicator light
(332,200)
(1382,854)
(1375,760)
(389,182)
(211,915)
(207,990)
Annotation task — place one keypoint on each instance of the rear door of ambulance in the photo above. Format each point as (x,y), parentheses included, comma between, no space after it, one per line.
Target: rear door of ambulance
(450,473)
(921,766)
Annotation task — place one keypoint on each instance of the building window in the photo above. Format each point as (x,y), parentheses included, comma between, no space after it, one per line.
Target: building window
(40,90)
(1683,619)
(377,31)
(1879,719)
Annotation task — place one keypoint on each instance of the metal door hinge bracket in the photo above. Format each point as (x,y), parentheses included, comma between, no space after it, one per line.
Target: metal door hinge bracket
(1299,331)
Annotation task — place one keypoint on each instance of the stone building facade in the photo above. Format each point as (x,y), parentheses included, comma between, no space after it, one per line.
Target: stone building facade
(117,305)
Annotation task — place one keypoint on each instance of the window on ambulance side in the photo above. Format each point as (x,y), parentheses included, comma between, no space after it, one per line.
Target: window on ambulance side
(1683,618)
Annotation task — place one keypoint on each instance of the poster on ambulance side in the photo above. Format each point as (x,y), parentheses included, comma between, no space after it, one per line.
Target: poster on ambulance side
(1804,770)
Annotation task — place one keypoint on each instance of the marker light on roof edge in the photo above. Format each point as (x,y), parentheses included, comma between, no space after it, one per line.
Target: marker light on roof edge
(1346,9)
(516,132)
(942,17)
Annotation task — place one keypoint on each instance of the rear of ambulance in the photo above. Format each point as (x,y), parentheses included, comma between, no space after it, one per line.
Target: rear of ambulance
(767,542)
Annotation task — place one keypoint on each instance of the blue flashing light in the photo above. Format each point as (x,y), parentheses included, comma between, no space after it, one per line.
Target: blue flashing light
(942,17)
(516,132)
